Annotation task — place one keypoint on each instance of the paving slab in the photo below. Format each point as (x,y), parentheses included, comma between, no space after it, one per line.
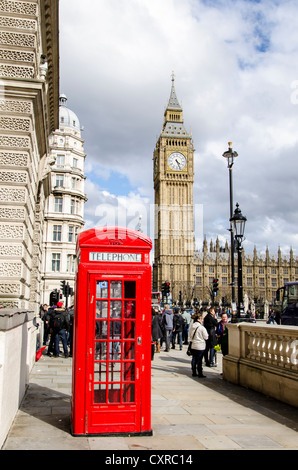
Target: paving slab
(188,413)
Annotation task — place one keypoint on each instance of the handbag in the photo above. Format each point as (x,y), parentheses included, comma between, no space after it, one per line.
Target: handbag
(189,350)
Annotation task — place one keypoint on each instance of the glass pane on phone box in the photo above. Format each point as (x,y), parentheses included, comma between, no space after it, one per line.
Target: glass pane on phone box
(116,289)
(115,329)
(129,289)
(128,393)
(100,372)
(101,309)
(129,330)
(129,309)
(114,376)
(128,371)
(114,367)
(100,367)
(101,329)
(115,350)
(102,289)
(128,350)
(100,393)
(116,309)
(114,393)
(100,351)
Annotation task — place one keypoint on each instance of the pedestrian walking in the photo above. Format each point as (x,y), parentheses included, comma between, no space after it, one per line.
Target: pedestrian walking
(197,336)
(156,331)
(60,327)
(210,324)
(178,324)
(167,320)
(271,318)
(222,334)
(70,332)
(51,345)
(187,319)
(44,315)
(160,320)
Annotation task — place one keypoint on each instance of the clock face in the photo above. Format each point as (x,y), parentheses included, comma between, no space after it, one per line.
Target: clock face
(177,161)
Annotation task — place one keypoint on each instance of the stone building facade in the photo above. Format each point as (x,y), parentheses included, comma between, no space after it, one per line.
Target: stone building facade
(173,176)
(191,272)
(64,208)
(263,274)
(29,106)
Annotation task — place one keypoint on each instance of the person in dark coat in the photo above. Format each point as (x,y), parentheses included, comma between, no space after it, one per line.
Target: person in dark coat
(60,328)
(222,334)
(45,316)
(210,323)
(156,332)
(167,320)
(51,345)
(178,324)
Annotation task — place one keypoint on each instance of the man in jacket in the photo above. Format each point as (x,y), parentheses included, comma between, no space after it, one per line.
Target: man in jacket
(187,319)
(222,334)
(60,327)
(210,323)
(178,324)
(167,320)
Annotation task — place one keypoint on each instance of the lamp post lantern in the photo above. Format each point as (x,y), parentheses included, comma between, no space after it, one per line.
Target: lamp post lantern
(238,222)
(230,156)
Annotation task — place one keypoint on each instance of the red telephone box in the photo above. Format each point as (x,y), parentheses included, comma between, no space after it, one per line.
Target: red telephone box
(111,386)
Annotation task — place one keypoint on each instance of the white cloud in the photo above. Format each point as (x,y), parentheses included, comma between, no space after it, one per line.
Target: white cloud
(235,63)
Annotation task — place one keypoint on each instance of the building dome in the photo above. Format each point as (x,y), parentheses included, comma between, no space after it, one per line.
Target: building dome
(67,118)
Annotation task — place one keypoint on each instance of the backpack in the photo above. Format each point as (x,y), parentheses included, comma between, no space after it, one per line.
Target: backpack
(58,321)
(178,322)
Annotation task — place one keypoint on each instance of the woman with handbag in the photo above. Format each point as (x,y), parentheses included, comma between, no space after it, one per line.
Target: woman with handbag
(197,335)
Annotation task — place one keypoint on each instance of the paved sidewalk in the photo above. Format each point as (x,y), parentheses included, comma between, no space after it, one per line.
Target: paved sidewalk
(187,413)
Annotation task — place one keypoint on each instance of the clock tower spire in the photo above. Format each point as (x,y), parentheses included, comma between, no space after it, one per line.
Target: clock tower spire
(173,186)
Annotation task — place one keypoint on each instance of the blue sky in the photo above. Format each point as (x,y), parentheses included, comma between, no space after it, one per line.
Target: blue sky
(236,68)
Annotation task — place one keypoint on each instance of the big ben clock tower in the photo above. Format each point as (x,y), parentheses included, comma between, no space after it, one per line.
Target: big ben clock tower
(173,174)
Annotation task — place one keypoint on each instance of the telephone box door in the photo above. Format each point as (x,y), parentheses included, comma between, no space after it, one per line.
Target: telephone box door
(114,354)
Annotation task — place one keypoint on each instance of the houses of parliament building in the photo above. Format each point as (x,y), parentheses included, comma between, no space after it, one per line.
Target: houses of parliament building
(189,271)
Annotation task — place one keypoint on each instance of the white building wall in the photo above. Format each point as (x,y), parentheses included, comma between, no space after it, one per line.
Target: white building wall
(67,185)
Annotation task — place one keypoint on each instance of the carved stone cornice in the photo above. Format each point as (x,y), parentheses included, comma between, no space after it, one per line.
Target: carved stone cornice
(50,37)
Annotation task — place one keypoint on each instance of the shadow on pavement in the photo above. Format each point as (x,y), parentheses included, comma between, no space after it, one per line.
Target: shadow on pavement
(49,406)
(278,411)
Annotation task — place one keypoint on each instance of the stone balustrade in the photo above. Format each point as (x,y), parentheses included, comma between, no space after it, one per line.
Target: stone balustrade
(264,358)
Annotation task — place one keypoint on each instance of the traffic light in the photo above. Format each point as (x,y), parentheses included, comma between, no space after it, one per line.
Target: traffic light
(68,291)
(63,287)
(215,287)
(54,297)
(167,287)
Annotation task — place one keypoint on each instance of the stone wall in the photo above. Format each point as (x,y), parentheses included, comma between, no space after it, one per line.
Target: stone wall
(29,90)
(264,358)
(19,334)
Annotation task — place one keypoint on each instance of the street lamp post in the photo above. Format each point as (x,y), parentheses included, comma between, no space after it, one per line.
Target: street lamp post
(230,156)
(172,280)
(238,222)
